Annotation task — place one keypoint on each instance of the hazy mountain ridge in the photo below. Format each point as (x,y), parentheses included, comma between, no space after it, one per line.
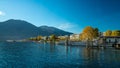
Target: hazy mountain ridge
(19,29)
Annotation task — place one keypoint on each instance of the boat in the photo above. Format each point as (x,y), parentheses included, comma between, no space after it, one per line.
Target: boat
(10,41)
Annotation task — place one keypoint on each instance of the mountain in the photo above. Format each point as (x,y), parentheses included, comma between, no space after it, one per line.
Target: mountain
(52,30)
(19,29)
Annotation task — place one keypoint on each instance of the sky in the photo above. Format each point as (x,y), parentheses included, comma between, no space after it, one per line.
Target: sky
(68,15)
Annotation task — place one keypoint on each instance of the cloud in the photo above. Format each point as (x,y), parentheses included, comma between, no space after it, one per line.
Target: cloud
(66,26)
(2,13)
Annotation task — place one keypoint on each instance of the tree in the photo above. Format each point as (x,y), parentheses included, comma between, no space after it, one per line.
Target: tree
(112,33)
(34,39)
(81,37)
(115,33)
(52,37)
(39,38)
(96,32)
(108,33)
(89,33)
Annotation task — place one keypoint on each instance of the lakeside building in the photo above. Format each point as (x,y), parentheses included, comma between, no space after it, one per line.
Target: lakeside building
(62,37)
(103,34)
(75,37)
(111,39)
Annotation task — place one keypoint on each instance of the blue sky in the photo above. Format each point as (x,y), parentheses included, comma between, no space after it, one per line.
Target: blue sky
(69,15)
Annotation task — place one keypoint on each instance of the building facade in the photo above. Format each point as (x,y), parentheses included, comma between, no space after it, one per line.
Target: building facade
(111,39)
(75,37)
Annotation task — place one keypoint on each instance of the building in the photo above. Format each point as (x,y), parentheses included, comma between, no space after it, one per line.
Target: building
(75,37)
(62,37)
(111,39)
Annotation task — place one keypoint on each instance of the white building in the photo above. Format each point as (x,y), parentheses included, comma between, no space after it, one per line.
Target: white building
(111,39)
(75,37)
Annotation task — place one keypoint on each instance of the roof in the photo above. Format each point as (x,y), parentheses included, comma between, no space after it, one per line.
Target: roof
(110,37)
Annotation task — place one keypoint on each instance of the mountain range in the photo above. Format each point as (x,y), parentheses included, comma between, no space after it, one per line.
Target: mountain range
(20,29)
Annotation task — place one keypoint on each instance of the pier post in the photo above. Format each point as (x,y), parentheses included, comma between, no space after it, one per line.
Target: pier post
(67,40)
(87,43)
(104,43)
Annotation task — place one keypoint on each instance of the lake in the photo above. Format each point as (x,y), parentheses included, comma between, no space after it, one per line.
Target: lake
(36,55)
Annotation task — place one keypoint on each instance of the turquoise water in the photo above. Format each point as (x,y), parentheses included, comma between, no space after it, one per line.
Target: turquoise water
(36,55)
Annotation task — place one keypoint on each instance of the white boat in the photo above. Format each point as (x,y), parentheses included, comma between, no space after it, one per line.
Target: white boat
(10,40)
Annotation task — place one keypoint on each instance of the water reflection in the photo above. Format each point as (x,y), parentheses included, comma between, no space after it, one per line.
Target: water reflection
(52,48)
(66,48)
(36,55)
(95,57)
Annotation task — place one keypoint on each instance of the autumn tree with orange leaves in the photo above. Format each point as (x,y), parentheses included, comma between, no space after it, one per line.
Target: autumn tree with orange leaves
(89,33)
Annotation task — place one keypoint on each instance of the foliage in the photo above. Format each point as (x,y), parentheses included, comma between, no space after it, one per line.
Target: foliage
(115,33)
(82,37)
(112,33)
(52,37)
(39,38)
(33,38)
(96,32)
(89,33)
(108,33)
(36,38)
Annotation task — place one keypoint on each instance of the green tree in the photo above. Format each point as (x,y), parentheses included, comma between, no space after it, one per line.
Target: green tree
(52,37)
(96,32)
